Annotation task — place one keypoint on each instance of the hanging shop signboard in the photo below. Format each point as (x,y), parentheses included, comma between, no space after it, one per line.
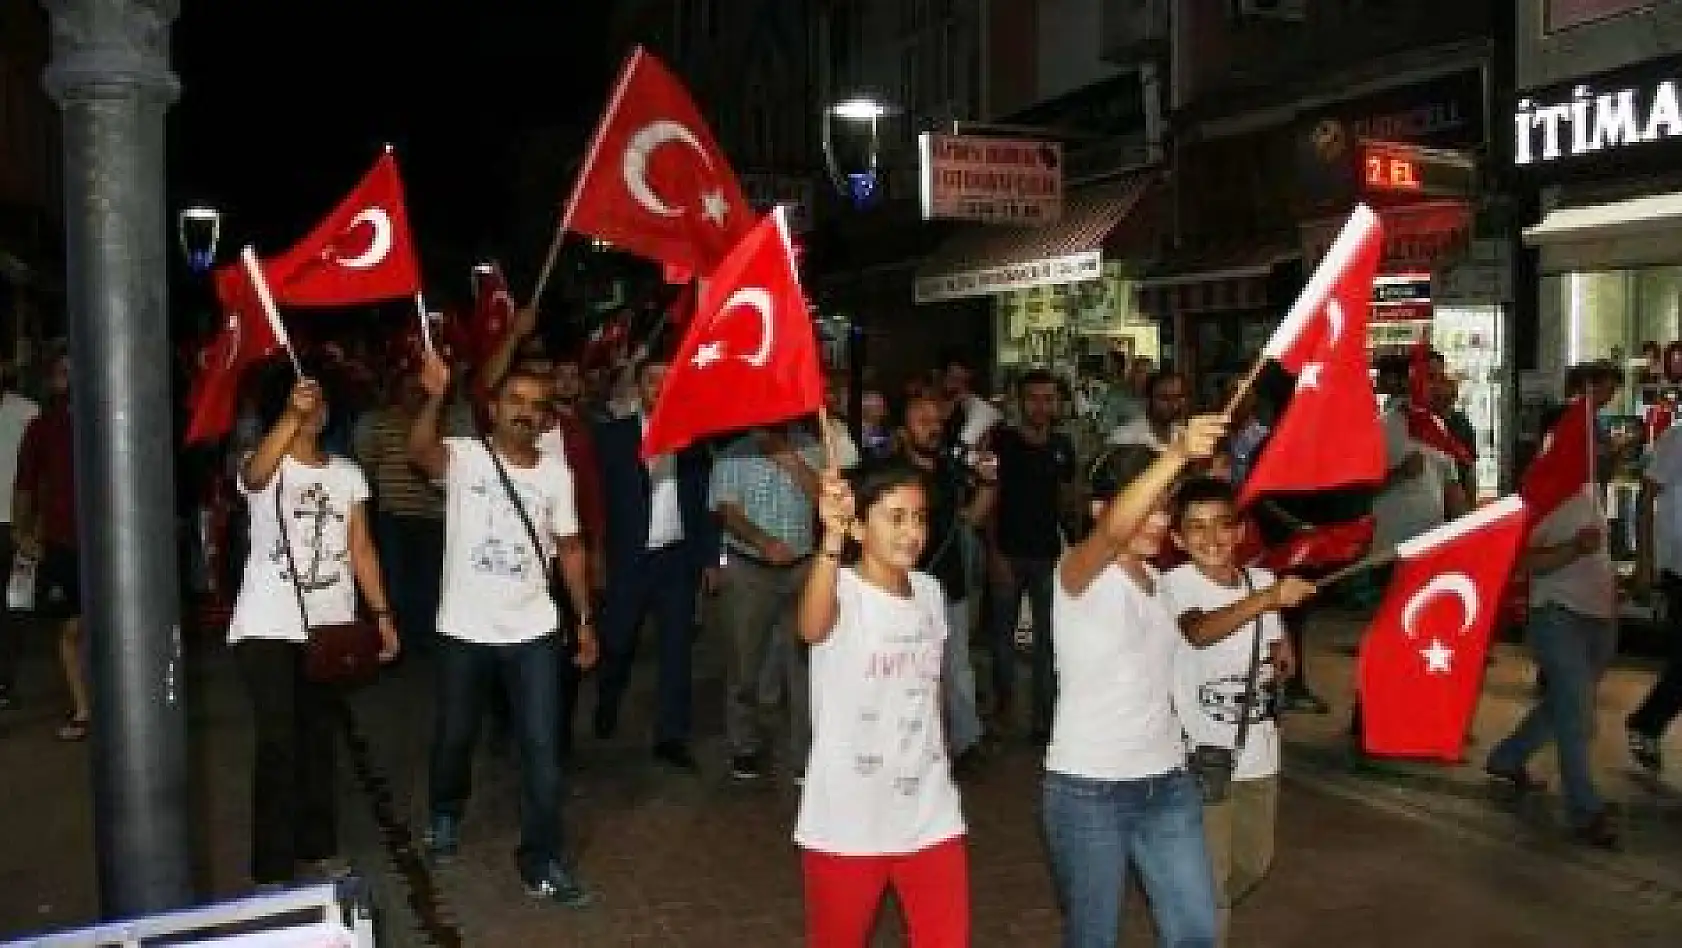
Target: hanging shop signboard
(1617,122)
(1073,268)
(991,180)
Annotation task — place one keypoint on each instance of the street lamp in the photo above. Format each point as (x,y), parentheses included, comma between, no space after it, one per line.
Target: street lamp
(199,228)
(852,146)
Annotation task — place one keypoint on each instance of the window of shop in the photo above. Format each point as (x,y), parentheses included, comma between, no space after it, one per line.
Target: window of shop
(1631,317)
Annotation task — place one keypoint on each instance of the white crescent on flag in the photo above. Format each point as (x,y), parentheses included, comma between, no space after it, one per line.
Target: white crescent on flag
(379,246)
(638,151)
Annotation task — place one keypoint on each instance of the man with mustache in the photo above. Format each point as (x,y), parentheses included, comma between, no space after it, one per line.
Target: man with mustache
(509,513)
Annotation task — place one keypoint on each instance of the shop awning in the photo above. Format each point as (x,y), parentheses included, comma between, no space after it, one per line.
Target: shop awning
(1226,281)
(983,259)
(1646,214)
(1628,234)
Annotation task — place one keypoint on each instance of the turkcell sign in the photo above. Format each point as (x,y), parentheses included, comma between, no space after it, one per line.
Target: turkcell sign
(1595,120)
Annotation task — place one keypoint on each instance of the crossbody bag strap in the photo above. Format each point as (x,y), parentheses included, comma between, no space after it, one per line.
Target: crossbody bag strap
(525,518)
(1248,700)
(286,544)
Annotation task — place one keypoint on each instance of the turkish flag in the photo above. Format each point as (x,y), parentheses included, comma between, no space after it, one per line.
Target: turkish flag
(1347,268)
(493,311)
(1565,464)
(750,356)
(1318,547)
(244,340)
(1329,434)
(362,252)
(1422,660)
(1424,424)
(654,182)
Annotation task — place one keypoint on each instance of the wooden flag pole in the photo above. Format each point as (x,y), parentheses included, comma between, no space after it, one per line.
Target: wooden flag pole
(1369,562)
(828,438)
(259,283)
(425,322)
(554,254)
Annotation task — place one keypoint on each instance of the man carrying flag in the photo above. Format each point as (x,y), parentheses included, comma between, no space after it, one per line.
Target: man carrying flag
(1571,627)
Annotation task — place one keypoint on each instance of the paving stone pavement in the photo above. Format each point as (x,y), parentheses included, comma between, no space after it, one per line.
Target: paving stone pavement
(1368,860)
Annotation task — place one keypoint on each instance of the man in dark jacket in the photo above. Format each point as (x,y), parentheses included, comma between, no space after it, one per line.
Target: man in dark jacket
(661,539)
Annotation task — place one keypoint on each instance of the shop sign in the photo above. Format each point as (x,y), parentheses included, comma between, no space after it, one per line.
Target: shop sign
(1485,278)
(1595,120)
(1417,237)
(1074,268)
(992,180)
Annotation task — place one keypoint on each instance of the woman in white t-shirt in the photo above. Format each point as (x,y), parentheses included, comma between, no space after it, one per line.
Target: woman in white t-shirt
(1116,790)
(309,538)
(878,806)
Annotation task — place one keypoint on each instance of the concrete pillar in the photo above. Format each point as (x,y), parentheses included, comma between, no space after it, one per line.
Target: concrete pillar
(110,75)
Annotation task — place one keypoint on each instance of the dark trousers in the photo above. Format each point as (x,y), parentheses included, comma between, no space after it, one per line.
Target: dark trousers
(1033,578)
(662,582)
(11,630)
(292,807)
(528,673)
(412,553)
(1664,702)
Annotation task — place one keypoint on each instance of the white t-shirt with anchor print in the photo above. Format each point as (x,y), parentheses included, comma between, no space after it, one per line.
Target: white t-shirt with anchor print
(878,781)
(495,587)
(317,503)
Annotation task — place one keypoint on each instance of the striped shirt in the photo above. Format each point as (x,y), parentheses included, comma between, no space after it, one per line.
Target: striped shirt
(768,496)
(382,445)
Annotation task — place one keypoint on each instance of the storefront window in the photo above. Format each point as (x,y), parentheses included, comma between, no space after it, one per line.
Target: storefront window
(1630,317)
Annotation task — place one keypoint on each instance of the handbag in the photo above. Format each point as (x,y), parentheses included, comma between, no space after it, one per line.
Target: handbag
(342,653)
(1212,764)
(562,603)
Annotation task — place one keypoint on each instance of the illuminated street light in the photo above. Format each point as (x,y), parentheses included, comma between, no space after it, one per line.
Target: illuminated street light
(199,229)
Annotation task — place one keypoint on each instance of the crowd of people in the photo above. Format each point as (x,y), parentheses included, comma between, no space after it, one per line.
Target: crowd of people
(500,520)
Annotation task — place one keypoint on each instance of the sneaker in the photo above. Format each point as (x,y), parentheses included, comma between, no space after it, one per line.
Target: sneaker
(557,884)
(442,839)
(746,767)
(1645,749)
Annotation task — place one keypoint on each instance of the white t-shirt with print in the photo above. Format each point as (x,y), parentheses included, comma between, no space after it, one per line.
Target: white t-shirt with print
(1588,584)
(1209,681)
(495,588)
(878,781)
(317,503)
(1408,508)
(1114,652)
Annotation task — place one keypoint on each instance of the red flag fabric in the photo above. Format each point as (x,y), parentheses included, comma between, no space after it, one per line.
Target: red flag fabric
(750,356)
(1422,660)
(654,182)
(1424,424)
(1351,259)
(1333,393)
(245,339)
(1319,547)
(362,252)
(1565,463)
(493,312)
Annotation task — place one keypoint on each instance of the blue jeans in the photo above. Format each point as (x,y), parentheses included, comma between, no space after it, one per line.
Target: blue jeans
(1573,651)
(1094,828)
(530,674)
(1033,578)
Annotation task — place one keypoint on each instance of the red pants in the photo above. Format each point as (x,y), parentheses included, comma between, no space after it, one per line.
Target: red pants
(843,894)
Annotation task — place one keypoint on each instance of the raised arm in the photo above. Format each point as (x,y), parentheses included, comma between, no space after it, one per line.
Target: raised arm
(818,606)
(1203,629)
(426,442)
(260,467)
(1125,514)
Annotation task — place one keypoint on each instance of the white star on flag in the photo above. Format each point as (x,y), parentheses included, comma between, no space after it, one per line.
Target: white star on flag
(1310,377)
(714,207)
(1437,658)
(707,354)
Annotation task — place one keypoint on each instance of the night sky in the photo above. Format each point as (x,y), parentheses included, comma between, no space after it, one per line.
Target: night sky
(285,103)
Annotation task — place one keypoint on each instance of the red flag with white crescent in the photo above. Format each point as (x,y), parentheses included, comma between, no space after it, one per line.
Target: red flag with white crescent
(244,340)
(655,182)
(1564,466)
(1422,660)
(750,356)
(361,253)
(1350,262)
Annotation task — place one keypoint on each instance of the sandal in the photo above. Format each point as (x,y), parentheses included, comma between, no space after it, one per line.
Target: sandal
(73,729)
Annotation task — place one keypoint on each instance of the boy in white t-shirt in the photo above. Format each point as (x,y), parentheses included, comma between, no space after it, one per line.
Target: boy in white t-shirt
(1228,614)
